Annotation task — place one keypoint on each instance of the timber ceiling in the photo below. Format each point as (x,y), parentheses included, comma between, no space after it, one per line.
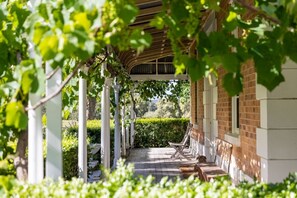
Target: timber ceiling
(160,46)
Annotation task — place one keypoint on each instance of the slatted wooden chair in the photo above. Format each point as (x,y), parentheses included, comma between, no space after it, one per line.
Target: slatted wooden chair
(179,147)
(221,164)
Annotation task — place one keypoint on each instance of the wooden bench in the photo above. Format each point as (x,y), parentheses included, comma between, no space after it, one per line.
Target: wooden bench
(221,164)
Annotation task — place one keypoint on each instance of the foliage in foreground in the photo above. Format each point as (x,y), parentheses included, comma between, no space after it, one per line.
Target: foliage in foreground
(122,183)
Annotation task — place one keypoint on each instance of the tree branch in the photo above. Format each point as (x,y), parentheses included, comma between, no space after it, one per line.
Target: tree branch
(51,74)
(258,11)
(47,98)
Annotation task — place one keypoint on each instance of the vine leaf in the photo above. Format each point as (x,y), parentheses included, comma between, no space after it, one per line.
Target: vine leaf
(232,82)
(290,43)
(49,47)
(15,115)
(128,13)
(230,62)
(140,40)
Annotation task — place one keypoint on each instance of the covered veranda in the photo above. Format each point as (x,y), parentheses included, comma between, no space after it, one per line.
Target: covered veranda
(154,63)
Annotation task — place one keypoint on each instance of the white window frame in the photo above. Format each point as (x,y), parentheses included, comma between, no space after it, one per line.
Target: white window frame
(235,115)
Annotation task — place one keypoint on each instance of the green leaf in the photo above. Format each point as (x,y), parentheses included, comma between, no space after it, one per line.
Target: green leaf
(214,5)
(20,13)
(178,10)
(69,47)
(232,82)
(290,45)
(2,17)
(268,61)
(179,64)
(140,40)
(3,56)
(49,47)
(231,16)
(15,115)
(230,62)
(219,43)
(81,20)
(42,9)
(27,79)
(196,69)
(128,13)
(39,32)
(157,22)
(58,17)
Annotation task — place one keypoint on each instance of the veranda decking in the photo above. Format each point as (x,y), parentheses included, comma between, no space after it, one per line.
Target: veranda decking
(157,162)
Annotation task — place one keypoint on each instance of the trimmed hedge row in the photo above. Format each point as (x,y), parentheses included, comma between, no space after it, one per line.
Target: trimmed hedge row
(93,130)
(156,132)
(70,146)
(122,183)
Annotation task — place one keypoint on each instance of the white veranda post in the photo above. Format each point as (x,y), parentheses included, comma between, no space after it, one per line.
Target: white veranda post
(54,165)
(124,153)
(132,133)
(117,132)
(35,148)
(35,154)
(82,129)
(105,121)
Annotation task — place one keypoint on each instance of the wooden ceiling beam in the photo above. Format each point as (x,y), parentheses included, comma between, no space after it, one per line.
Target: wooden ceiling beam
(144,2)
(129,67)
(149,11)
(152,54)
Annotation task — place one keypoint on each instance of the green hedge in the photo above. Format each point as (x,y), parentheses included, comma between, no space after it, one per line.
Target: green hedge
(122,183)
(156,132)
(70,146)
(93,130)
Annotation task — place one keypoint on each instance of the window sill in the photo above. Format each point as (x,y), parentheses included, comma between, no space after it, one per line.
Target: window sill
(195,126)
(233,138)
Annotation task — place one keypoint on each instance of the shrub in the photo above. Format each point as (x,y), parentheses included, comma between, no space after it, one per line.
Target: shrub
(70,146)
(70,156)
(156,132)
(93,130)
(122,183)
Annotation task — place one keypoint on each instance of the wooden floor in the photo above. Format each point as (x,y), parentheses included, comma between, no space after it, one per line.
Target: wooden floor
(157,162)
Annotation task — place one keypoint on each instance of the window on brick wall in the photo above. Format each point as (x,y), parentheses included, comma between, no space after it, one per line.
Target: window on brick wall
(235,114)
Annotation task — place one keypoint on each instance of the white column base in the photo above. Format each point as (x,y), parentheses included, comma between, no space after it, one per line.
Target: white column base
(276,170)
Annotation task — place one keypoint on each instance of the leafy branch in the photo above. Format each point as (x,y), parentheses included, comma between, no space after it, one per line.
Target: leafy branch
(52,73)
(69,77)
(257,11)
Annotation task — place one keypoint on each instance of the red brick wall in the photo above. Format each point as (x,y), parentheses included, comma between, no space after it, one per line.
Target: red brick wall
(249,108)
(249,121)
(245,155)
(197,109)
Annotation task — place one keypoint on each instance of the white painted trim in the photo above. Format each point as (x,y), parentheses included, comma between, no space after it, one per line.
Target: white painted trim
(233,138)
(54,163)
(234,109)
(105,127)
(117,132)
(124,151)
(35,139)
(82,130)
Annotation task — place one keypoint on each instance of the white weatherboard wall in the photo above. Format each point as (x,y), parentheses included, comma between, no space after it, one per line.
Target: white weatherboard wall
(277,135)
